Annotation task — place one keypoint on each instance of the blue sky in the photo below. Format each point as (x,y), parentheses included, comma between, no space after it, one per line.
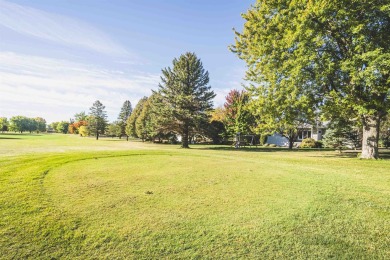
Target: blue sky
(58,57)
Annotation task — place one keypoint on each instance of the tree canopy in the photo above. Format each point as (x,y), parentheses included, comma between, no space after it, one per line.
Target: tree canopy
(337,52)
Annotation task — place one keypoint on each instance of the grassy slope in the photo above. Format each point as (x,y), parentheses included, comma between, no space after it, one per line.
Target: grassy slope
(64,196)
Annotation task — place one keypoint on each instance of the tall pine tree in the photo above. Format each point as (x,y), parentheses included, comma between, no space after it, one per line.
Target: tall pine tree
(97,121)
(125,113)
(185,95)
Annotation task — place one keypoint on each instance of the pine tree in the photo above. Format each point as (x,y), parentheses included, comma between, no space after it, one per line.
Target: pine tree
(97,120)
(185,95)
(125,113)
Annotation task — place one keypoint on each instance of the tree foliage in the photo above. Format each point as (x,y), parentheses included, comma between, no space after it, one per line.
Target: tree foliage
(338,51)
(25,124)
(97,120)
(238,119)
(4,124)
(185,97)
(123,116)
(131,121)
(62,127)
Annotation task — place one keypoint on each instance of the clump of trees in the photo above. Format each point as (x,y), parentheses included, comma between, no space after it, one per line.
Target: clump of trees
(22,124)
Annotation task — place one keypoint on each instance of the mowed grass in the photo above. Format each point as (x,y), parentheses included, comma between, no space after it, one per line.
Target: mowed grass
(63,196)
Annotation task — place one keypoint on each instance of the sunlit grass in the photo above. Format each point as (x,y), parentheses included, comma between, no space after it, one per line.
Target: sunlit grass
(159,201)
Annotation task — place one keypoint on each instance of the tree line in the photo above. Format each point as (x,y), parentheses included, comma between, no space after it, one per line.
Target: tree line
(308,62)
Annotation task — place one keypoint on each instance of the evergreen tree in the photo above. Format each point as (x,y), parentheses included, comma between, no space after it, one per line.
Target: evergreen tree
(123,116)
(185,95)
(97,120)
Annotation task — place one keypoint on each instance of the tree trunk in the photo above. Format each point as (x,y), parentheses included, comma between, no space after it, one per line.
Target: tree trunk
(290,144)
(184,140)
(97,135)
(370,138)
(127,138)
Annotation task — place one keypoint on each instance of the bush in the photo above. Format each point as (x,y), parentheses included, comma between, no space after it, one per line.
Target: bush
(319,144)
(83,131)
(308,143)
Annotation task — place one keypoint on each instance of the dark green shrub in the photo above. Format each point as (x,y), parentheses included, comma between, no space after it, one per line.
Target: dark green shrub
(308,143)
(319,144)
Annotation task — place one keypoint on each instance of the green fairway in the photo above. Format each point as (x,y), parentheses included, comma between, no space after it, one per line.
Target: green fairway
(63,196)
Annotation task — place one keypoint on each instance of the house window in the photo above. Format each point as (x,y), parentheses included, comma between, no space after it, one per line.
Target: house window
(304,134)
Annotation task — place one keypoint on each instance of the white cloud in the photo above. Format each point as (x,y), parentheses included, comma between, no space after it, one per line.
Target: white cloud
(56,28)
(66,87)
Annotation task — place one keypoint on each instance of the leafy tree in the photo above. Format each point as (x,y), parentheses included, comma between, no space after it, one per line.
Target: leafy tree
(337,50)
(19,124)
(185,95)
(123,116)
(237,116)
(4,124)
(40,123)
(83,131)
(130,126)
(114,129)
(54,125)
(75,126)
(280,108)
(216,131)
(97,120)
(82,116)
(148,124)
(218,114)
(62,127)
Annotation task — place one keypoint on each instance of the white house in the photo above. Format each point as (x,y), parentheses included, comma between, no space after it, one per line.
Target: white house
(308,131)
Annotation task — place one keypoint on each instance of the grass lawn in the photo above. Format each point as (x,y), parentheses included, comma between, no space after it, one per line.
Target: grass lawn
(62,196)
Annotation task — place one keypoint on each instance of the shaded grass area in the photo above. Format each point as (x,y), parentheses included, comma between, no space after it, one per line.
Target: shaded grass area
(164,202)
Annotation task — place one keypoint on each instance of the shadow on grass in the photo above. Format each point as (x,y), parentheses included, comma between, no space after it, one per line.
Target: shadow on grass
(10,137)
(18,134)
(383,153)
(258,149)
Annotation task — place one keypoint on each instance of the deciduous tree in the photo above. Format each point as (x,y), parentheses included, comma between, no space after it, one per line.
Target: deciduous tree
(130,126)
(337,50)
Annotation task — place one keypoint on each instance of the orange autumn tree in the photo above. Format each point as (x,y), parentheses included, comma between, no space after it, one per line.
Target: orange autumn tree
(74,128)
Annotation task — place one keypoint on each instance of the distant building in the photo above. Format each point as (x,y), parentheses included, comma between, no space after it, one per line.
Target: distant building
(308,131)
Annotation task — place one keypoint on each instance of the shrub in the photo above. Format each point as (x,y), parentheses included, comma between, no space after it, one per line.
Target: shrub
(319,144)
(83,131)
(308,143)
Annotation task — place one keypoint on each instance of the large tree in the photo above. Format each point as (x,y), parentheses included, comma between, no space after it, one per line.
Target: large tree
(338,50)
(238,118)
(4,124)
(41,124)
(130,123)
(97,120)
(186,95)
(124,114)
